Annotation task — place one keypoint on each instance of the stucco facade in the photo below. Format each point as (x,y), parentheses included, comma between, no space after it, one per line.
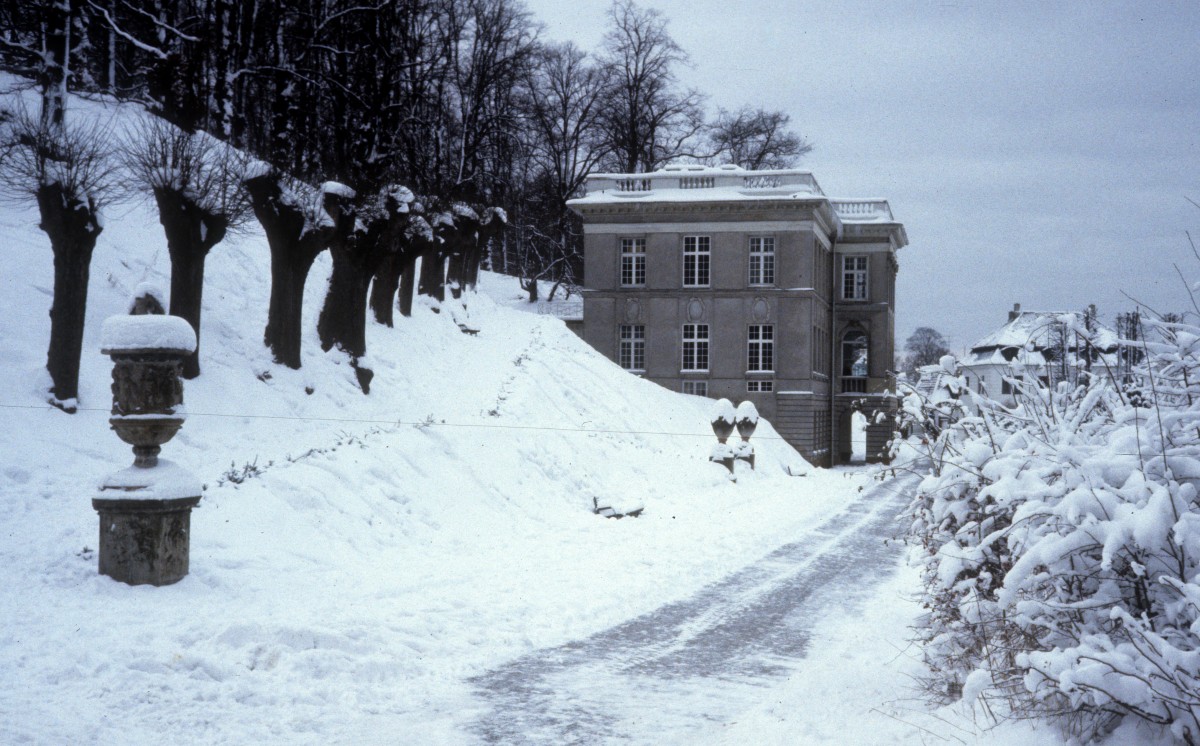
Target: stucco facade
(747,285)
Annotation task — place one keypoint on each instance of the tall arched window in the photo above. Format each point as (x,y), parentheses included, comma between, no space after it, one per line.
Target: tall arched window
(855,350)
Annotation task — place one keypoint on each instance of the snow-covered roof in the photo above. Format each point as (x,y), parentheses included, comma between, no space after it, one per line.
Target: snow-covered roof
(1038,330)
(730,183)
(938,382)
(1031,338)
(700,184)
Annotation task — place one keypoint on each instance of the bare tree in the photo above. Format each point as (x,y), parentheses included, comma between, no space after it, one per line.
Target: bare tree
(68,171)
(565,141)
(196,182)
(755,139)
(925,346)
(648,119)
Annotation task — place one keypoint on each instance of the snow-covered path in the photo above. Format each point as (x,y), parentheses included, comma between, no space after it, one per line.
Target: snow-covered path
(689,667)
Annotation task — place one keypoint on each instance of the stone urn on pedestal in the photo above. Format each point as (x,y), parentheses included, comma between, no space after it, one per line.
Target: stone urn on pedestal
(747,421)
(723,420)
(145,510)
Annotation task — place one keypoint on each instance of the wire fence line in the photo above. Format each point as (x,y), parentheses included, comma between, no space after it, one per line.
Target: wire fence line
(413,423)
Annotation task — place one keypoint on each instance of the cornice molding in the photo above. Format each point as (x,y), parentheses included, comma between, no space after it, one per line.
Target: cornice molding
(710,208)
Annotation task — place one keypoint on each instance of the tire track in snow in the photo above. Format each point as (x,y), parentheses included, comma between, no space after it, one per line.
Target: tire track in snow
(701,660)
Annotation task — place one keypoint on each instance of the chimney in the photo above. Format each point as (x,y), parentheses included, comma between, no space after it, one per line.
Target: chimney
(1013,314)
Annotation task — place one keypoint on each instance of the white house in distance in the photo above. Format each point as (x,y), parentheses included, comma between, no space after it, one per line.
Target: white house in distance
(1038,345)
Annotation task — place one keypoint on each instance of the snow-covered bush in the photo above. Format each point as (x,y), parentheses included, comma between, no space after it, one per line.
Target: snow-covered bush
(1061,542)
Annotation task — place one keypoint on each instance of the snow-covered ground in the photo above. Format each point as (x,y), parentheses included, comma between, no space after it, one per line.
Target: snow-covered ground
(357,560)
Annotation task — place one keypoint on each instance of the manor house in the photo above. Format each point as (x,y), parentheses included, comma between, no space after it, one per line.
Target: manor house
(723,282)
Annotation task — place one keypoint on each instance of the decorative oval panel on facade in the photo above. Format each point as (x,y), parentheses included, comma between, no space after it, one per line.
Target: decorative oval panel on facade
(761,310)
(633,310)
(695,310)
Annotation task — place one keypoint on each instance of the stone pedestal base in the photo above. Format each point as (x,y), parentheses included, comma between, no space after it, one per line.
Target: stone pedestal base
(744,452)
(145,541)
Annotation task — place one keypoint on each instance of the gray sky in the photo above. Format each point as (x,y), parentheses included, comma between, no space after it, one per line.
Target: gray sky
(1038,153)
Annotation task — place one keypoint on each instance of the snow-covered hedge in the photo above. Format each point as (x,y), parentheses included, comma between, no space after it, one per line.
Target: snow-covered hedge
(1061,544)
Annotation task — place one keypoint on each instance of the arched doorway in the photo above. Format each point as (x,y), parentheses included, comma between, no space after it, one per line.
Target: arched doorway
(858,437)
(855,361)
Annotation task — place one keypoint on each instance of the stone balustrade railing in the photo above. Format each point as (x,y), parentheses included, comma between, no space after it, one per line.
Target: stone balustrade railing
(686,177)
(863,209)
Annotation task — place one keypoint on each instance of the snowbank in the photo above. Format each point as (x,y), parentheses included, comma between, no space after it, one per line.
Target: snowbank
(354,558)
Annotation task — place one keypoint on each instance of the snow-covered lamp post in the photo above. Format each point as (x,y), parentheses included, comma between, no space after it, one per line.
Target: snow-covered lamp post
(145,510)
(724,419)
(747,420)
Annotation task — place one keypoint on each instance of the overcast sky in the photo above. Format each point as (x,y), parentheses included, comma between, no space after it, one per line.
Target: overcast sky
(1037,153)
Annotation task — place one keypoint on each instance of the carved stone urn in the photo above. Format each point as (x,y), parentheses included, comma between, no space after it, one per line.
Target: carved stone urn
(145,510)
(747,421)
(723,421)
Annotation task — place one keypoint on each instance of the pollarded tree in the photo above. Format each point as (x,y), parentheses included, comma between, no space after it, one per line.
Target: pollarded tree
(66,170)
(299,223)
(431,281)
(396,273)
(460,241)
(493,222)
(361,242)
(196,182)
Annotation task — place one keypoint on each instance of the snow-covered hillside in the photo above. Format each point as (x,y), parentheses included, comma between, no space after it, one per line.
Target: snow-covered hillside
(353,556)
(358,561)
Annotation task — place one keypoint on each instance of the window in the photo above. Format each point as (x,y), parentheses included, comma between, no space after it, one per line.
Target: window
(755,387)
(695,347)
(633,262)
(855,349)
(696,388)
(761,348)
(695,261)
(762,260)
(820,351)
(821,427)
(1010,386)
(854,278)
(823,269)
(632,352)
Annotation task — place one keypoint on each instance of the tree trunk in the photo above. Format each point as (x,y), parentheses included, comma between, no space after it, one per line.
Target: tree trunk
(432,282)
(530,286)
(289,272)
(187,287)
(473,260)
(407,280)
(191,234)
(292,254)
(55,70)
(383,289)
(73,229)
(456,274)
(343,318)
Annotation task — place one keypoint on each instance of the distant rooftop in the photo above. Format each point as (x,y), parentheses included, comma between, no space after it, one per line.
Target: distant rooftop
(1028,333)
